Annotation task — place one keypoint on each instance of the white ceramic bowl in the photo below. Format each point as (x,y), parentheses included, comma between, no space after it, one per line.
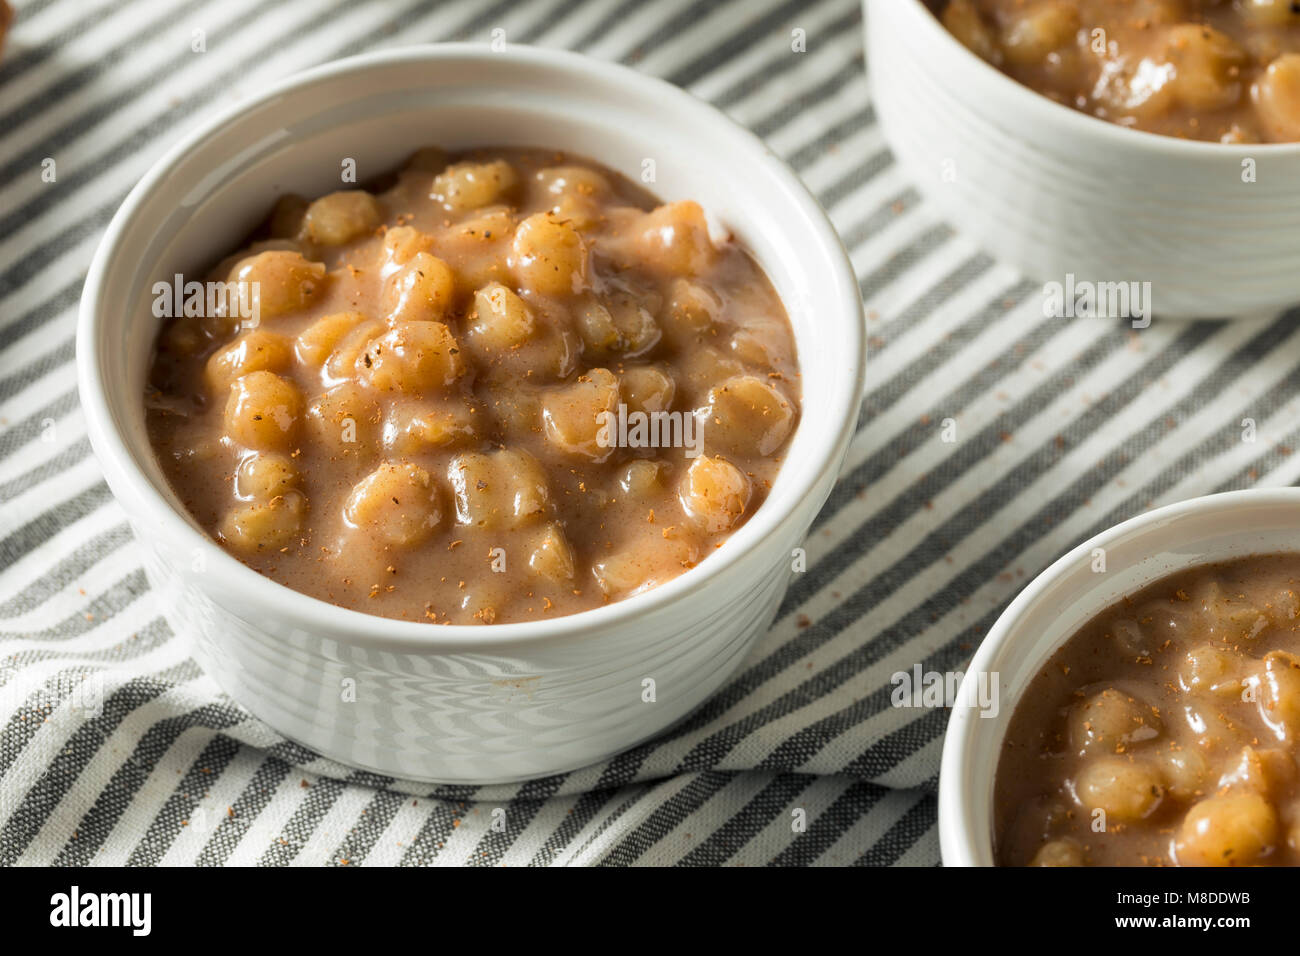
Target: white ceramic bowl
(1055,192)
(1060,601)
(465,704)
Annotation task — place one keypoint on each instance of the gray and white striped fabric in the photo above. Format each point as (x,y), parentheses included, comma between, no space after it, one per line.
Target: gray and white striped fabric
(1063,427)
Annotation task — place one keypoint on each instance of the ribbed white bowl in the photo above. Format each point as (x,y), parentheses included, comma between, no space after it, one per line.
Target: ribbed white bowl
(1061,600)
(466,704)
(1054,192)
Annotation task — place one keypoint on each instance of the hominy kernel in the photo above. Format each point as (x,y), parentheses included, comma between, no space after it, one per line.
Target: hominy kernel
(421,289)
(548,256)
(263,411)
(412,357)
(474,185)
(279,282)
(398,503)
(340,218)
(715,493)
(254,351)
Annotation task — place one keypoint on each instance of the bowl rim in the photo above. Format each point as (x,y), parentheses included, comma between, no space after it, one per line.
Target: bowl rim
(1044,108)
(137,495)
(962,840)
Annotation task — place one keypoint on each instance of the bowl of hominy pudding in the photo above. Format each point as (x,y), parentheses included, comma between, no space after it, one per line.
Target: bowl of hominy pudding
(1142,144)
(1148,700)
(470,407)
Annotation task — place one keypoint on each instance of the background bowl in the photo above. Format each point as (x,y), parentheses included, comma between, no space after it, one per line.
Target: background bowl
(1054,192)
(465,704)
(1064,598)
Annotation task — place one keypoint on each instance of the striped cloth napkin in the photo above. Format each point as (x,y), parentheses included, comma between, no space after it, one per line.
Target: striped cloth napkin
(1059,429)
